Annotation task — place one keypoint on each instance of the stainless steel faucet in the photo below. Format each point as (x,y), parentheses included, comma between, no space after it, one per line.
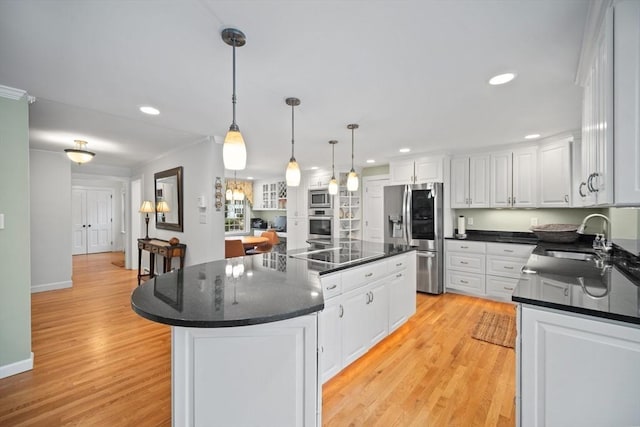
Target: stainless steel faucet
(601,241)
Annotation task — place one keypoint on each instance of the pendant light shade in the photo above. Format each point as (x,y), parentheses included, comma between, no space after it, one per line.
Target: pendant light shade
(234,151)
(238,194)
(79,153)
(333,184)
(293,169)
(352,178)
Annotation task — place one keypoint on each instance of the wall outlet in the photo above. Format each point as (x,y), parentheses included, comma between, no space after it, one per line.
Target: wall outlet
(534,222)
(470,221)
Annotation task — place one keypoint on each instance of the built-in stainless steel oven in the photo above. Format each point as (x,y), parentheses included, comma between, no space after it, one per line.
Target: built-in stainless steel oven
(319,199)
(320,226)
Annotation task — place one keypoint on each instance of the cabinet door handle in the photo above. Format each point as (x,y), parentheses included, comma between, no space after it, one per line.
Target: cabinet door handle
(84,226)
(513,200)
(341,311)
(566,292)
(371,296)
(508,200)
(470,200)
(331,287)
(582,184)
(566,198)
(368,275)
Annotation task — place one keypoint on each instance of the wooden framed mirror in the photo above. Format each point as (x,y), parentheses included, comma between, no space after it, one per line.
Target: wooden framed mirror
(168,192)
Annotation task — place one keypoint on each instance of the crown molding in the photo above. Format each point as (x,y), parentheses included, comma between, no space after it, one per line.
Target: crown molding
(12,93)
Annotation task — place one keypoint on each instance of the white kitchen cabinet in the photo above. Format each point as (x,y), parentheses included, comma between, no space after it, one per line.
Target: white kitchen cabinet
(330,338)
(465,266)
(355,336)
(318,180)
(269,195)
(626,128)
(513,178)
(417,171)
(470,181)
(402,290)
(596,184)
(297,201)
(554,174)
(297,230)
(576,370)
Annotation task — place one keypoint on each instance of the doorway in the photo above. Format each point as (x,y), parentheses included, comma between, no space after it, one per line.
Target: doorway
(92,220)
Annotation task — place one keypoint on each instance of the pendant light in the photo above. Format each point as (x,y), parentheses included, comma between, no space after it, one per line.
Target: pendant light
(333,184)
(79,153)
(352,178)
(293,169)
(234,152)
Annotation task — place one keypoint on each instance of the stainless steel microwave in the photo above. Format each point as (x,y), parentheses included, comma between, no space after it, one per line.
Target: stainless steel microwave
(319,199)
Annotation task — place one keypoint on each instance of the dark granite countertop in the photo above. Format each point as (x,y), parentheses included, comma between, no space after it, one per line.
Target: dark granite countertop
(608,289)
(243,291)
(499,237)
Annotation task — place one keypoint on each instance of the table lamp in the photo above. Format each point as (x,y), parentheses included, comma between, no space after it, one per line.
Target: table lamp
(146,208)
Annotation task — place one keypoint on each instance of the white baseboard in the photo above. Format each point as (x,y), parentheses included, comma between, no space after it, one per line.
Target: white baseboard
(16,367)
(51,286)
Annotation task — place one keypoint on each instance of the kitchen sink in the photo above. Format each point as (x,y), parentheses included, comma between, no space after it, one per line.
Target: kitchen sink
(580,256)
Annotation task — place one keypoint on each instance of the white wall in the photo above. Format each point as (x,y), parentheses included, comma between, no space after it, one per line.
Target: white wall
(202,163)
(50,186)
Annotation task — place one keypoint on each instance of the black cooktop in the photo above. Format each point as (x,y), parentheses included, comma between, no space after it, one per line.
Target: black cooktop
(337,256)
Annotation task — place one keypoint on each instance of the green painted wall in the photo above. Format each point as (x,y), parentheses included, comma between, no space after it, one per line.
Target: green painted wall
(15,284)
(625,223)
(376,170)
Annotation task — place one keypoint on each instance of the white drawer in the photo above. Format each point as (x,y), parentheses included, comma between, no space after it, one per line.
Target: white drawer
(468,282)
(465,246)
(501,286)
(331,285)
(472,263)
(510,249)
(359,276)
(399,262)
(502,266)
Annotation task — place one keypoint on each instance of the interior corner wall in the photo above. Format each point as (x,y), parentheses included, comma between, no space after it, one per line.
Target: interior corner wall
(203,227)
(50,193)
(15,285)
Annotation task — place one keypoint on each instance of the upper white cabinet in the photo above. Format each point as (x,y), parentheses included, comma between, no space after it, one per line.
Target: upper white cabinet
(470,181)
(319,180)
(417,171)
(554,174)
(513,178)
(270,195)
(626,128)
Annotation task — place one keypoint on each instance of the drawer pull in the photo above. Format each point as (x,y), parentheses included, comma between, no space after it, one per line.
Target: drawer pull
(508,250)
(508,289)
(331,287)
(399,264)
(464,247)
(398,275)
(463,281)
(368,275)
(464,262)
(506,267)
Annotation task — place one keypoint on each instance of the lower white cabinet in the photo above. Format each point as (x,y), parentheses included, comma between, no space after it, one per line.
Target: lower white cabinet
(576,370)
(484,269)
(368,303)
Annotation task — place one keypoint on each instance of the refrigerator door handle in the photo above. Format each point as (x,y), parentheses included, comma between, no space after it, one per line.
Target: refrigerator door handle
(407,213)
(426,254)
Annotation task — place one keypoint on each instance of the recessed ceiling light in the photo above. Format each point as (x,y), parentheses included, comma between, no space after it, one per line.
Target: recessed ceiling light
(147,109)
(249,177)
(532,136)
(371,161)
(501,79)
(404,150)
(314,168)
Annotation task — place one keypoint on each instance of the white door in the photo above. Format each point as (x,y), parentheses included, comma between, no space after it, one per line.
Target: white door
(78,222)
(91,214)
(373,209)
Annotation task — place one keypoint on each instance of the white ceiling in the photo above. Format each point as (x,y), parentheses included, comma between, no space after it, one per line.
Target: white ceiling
(411,73)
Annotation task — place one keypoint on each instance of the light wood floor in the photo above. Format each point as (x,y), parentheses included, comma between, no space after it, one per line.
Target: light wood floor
(99,364)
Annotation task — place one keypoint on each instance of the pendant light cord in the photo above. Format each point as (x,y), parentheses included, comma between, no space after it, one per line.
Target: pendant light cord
(292,127)
(233,96)
(333,156)
(352,130)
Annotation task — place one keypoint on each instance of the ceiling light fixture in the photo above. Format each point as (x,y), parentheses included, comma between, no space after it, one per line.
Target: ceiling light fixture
(501,79)
(352,178)
(333,184)
(147,109)
(404,150)
(79,154)
(293,169)
(234,152)
(371,161)
(532,136)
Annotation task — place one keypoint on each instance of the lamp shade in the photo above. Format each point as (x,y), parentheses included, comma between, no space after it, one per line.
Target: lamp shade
(234,152)
(352,181)
(333,186)
(162,206)
(146,207)
(293,173)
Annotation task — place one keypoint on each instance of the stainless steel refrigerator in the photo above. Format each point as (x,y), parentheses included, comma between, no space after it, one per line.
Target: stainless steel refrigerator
(413,215)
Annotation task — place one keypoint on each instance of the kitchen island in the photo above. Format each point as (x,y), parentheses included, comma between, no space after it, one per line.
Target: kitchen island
(578,347)
(245,339)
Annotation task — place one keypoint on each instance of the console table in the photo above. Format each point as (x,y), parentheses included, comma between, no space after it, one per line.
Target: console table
(159,247)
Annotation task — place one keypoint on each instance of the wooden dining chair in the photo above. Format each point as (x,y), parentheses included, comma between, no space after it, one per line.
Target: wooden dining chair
(233,248)
(273,236)
(264,247)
